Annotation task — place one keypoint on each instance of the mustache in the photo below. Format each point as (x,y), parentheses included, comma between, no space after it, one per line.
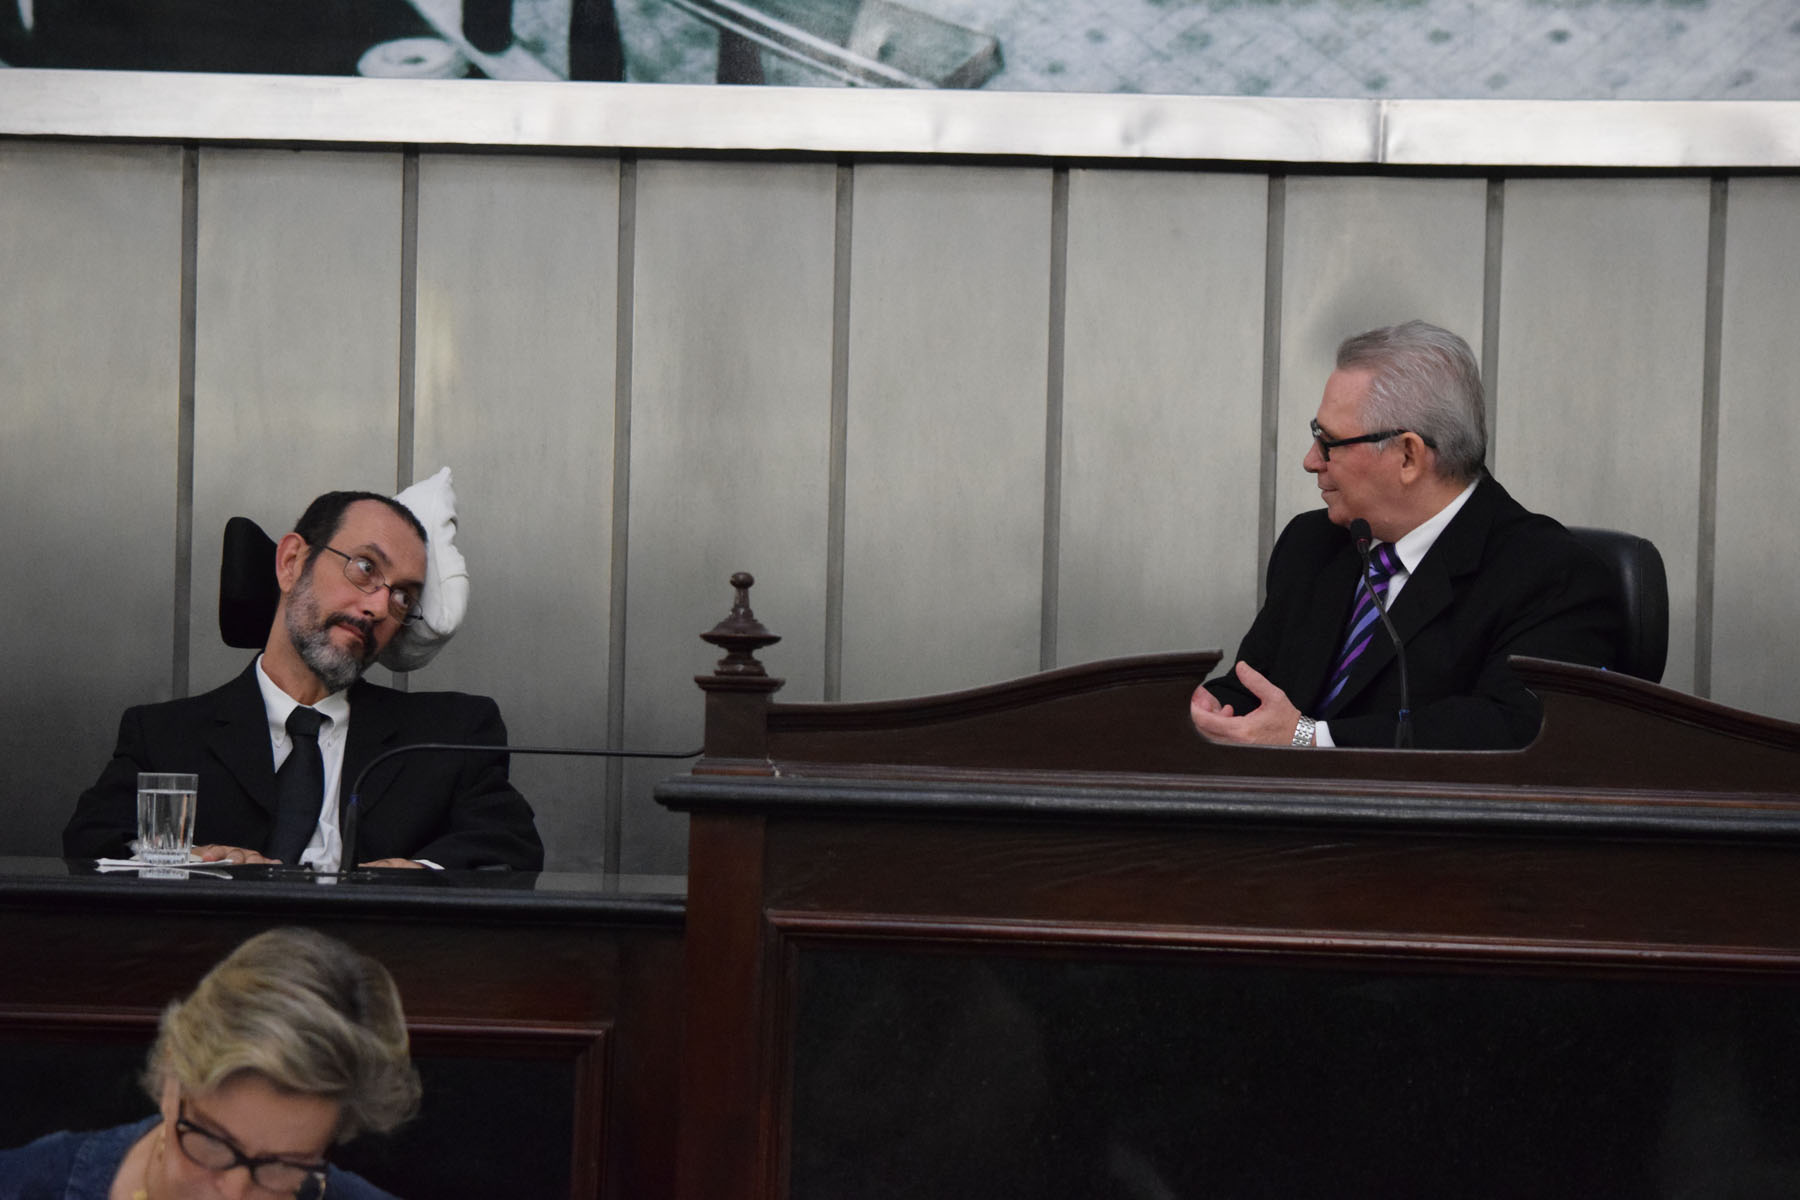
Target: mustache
(364,627)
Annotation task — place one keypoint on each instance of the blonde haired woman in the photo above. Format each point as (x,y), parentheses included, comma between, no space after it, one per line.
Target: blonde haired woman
(293,1043)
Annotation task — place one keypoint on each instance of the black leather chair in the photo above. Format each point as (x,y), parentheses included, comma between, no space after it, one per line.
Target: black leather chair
(248,593)
(1645,588)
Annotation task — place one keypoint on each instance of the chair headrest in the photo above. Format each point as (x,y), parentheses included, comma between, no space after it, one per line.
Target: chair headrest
(1637,566)
(248,594)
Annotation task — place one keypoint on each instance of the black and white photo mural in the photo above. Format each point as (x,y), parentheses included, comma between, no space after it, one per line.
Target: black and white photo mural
(1376,49)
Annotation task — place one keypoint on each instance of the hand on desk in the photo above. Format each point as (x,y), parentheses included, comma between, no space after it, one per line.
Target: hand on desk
(231,854)
(1271,723)
(237,854)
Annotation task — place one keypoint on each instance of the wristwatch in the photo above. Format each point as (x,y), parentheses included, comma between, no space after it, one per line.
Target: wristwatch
(1305,731)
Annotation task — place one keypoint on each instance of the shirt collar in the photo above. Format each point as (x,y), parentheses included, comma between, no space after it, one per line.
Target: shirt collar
(1413,545)
(277,704)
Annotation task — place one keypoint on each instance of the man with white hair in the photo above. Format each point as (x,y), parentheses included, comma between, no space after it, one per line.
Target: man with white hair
(1468,575)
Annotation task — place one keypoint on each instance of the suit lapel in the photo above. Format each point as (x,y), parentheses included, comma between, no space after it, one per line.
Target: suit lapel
(1327,614)
(1430,589)
(373,726)
(239,738)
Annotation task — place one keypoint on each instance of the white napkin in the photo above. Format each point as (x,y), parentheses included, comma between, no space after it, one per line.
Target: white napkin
(138,864)
(446,598)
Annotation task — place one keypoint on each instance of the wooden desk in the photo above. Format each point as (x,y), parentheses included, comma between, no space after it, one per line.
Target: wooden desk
(544,1010)
(1042,940)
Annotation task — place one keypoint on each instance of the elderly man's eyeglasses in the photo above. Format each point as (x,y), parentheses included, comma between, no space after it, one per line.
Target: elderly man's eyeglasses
(277,1176)
(366,577)
(1327,445)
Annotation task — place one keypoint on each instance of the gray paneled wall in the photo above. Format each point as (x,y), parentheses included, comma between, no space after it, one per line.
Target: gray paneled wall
(960,420)
(949,295)
(730,443)
(514,388)
(90,336)
(1602,337)
(1162,389)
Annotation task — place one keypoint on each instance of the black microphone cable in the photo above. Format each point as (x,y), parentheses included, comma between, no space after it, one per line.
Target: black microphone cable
(1403,739)
(352,808)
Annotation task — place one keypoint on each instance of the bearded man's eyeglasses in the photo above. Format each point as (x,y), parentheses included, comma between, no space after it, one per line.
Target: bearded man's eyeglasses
(366,577)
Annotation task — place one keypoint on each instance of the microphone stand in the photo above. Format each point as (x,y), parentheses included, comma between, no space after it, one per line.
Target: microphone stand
(1403,736)
(353,811)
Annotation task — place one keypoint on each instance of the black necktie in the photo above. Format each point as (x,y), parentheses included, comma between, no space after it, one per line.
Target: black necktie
(299,787)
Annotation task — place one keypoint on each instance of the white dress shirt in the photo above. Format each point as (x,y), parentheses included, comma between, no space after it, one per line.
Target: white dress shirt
(325,850)
(1411,549)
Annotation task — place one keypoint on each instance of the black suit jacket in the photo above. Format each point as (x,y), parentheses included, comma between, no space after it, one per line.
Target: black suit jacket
(456,809)
(1498,581)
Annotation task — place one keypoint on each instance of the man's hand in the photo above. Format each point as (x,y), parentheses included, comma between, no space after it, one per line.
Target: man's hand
(231,854)
(1271,723)
(395,862)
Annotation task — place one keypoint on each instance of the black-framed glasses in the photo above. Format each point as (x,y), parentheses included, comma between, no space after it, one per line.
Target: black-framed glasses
(1327,445)
(366,577)
(271,1173)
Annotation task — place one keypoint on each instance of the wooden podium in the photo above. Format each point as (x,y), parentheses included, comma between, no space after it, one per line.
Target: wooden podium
(1041,939)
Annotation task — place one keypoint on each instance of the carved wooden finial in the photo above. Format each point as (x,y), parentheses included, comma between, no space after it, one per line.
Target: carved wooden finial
(739,690)
(740,634)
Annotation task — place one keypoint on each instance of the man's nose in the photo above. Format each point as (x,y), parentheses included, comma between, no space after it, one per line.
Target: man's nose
(1315,458)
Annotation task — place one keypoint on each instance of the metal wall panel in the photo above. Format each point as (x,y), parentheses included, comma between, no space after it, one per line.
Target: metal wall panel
(1758,545)
(1602,339)
(1360,253)
(730,448)
(1162,412)
(944,490)
(297,349)
(90,249)
(517,299)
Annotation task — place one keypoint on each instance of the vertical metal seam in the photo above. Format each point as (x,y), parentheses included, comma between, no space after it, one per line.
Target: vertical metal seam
(1274,253)
(1492,260)
(1707,532)
(187,331)
(1055,346)
(844,214)
(406,426)
(614,797)
(406,382)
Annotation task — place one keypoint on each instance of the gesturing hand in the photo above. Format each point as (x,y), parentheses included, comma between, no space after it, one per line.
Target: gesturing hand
(1270,723)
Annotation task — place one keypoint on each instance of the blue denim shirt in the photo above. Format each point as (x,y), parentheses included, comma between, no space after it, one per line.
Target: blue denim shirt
(82,1166)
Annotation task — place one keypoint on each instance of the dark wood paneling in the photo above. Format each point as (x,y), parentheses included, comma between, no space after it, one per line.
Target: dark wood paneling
(549,1022)
(1039,940)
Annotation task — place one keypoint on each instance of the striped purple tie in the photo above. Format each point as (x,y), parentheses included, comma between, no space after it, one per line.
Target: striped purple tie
(1383,563)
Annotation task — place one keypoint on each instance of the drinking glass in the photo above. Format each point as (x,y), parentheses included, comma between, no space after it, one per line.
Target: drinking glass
(166,817)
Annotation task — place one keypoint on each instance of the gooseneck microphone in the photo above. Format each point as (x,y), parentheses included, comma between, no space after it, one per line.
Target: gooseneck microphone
(353,807)
(1363,535)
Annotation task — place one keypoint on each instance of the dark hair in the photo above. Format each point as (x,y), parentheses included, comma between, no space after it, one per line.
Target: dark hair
(324,516)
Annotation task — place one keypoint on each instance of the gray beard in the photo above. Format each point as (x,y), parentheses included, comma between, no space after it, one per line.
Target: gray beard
(334,666)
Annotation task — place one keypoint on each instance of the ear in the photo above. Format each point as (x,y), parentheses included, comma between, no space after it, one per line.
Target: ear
(1413,462)
(290,561)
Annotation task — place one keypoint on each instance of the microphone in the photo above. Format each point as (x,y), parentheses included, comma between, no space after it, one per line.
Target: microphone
(1363,535)
(353,809)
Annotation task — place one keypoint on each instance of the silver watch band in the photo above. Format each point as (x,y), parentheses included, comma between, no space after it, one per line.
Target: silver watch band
(1305,731)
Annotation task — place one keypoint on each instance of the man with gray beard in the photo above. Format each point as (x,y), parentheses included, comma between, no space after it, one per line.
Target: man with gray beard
(277,747)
